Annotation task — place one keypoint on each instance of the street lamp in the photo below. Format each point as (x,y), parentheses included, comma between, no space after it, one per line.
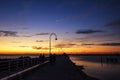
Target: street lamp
(50,41)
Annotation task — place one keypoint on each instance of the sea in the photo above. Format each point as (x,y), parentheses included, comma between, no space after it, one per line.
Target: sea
(101,67)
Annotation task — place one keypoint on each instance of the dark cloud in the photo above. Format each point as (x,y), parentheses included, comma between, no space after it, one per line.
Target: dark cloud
(12,34)
(110,44)
(101,44)
(15,34)
(88,31)
(113,24)
(23,46)
(37,47)
(41,40)
(26,35)
(84,44)
(64,45)
(45,48)
(42,34)
(8,33)
(66,32)
(37,34)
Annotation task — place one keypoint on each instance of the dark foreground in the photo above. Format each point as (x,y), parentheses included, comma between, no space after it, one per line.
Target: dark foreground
(62,69)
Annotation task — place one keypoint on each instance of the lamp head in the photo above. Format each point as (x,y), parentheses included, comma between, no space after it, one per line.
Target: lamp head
(55,38)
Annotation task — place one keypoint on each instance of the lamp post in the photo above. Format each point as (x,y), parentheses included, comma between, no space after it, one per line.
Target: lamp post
(50,41)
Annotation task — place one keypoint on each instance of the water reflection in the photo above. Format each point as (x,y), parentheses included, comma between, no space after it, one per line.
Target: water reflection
(101,70)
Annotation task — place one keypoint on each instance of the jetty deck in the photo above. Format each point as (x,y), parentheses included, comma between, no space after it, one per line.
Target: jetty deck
(62,69)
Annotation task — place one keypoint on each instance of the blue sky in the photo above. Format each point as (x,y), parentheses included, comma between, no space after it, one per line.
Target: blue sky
(97,20)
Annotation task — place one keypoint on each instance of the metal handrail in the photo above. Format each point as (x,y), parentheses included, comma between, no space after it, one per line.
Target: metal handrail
(16,64)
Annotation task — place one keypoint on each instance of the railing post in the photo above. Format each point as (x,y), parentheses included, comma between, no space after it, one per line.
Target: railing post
(23,62)
(9,66)
(17,64)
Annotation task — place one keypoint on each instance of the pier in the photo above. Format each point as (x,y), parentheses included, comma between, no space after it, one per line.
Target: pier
(60,69)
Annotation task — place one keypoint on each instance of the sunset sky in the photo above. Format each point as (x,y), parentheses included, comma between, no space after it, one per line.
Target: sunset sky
(81,26)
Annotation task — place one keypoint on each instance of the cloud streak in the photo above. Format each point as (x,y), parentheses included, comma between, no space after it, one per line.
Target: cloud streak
(8,33)
(37,34)
(40,48)
(42,34)
(86,44)
(88,31)
(23,46)
(101,44)
(37,47)
(110,44)
(113,24)
(64,45)
(41,41)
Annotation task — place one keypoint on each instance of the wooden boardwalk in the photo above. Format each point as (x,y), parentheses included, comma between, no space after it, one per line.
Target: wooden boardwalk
(62,69)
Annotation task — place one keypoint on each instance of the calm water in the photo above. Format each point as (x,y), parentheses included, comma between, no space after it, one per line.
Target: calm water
(101,70)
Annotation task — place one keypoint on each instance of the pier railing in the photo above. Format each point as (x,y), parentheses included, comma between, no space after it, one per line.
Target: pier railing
(18,64)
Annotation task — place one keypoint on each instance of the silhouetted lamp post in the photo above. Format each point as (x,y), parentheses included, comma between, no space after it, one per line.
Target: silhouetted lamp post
(50,41)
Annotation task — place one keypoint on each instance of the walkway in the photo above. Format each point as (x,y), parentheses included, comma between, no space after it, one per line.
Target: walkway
(62,69)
